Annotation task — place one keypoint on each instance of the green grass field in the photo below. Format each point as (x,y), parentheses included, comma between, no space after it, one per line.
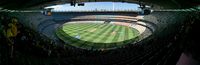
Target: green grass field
(96,35)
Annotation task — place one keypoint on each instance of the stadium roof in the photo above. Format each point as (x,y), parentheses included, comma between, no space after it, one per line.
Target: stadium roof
(38,4)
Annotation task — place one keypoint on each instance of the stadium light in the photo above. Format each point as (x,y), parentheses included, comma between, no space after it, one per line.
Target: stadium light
(81,4)
(73,3)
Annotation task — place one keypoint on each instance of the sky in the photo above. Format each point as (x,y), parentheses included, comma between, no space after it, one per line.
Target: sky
(96,6)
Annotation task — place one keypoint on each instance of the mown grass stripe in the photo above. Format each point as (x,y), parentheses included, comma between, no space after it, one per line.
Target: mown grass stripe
(131,33)
(88,34)
(136,32)
(64,36)
(75,26)
(97,37)
(106,34)
(104,27)
(70,39)
(118,34)
(85,35)
(113,35)
(117,37)
(79,28)
(83,31)
(109,34)
(126,33)
(87,44)
(99,33)
(121,36)
(74,31)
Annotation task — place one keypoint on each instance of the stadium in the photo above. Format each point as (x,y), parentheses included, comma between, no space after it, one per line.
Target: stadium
(35,33)
(109,31)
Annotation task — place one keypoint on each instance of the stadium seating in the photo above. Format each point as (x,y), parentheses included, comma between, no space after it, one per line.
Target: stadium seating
(35,44)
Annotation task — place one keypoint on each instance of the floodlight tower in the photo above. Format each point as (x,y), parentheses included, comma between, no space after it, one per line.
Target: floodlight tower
(113,4)
(145,10)
(74,2)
